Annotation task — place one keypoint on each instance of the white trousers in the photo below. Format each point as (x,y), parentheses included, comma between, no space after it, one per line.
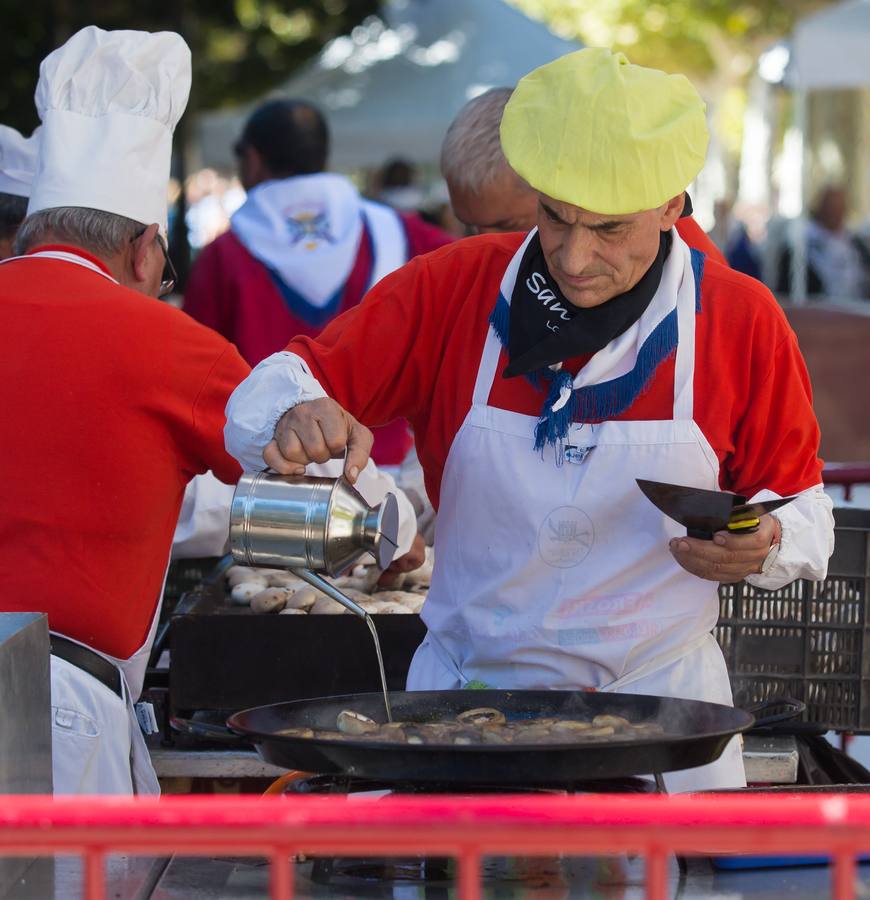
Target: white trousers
(90,734)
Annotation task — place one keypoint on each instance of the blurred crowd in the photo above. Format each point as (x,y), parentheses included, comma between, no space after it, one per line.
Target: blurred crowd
(837,255)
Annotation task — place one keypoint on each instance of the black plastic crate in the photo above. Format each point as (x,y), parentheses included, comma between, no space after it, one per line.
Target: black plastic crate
(808,640)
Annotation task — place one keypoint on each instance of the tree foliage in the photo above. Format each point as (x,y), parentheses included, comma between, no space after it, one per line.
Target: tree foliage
(715,42)
(241,48)
(709,39)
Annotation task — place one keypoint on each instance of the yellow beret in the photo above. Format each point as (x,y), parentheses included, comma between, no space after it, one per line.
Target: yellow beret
(593,130)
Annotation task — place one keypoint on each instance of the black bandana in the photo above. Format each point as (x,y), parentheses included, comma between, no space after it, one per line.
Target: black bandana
(546,329)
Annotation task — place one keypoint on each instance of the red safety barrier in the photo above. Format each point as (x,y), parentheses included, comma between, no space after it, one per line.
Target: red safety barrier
(467,828)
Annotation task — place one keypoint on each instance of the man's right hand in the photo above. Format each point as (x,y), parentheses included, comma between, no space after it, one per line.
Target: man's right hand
(315,432)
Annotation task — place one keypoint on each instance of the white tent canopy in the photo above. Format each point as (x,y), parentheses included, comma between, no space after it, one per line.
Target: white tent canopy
(391,87)
(831,49)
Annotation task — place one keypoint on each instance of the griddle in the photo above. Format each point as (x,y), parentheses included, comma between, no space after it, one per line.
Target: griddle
(226,657)
(696,734)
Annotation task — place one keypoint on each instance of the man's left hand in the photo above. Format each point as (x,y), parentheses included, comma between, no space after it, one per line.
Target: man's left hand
(728,557)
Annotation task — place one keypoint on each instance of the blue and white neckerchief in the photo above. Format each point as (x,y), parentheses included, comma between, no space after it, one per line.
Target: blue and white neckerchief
(307,232)
(619,373)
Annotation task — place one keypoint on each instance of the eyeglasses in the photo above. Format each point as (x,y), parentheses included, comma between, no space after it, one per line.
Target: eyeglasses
(170,276)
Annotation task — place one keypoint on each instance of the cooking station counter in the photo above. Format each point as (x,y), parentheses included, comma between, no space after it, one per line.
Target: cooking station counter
(768,760)
(223,657)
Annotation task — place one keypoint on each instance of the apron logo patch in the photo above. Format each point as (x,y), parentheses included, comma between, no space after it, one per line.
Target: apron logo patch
(566,537)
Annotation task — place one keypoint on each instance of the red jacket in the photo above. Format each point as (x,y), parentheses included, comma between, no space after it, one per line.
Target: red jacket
(112,402)
(413,349)
(232,292)
(695,236)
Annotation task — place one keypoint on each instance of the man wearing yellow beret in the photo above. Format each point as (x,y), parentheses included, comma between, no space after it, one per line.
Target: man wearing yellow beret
(544,373)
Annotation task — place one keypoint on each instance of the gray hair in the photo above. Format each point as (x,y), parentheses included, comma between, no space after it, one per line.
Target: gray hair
(471,155)
(13,209)
(103,233)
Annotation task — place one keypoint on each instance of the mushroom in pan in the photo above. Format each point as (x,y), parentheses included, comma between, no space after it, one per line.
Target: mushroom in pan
(484,715)
(394,731)
(350,722)
(613,721)
(603,731)
(648,728)
(300,732)
(569,726)
(495,735)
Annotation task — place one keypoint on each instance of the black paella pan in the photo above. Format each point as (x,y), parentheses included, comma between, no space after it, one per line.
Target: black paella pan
(695,733)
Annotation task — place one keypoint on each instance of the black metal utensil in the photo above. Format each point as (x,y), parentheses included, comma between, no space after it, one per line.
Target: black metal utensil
(703,512)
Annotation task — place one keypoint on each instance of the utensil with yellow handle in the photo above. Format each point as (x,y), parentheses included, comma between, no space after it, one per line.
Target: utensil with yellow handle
(703,512)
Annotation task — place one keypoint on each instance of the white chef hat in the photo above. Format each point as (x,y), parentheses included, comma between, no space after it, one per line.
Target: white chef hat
(109,101)
(17,161)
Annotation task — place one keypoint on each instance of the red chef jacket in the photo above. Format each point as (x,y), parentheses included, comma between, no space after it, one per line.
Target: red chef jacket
(112,402)
(426,323)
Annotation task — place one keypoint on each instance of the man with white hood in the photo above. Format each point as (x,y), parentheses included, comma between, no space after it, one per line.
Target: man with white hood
(17,166)
(304,247)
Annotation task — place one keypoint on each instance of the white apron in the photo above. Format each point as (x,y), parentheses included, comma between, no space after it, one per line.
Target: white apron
(97,742)
(560,577)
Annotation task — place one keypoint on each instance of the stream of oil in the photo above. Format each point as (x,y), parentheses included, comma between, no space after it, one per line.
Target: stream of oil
(371,623)
(330,590)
